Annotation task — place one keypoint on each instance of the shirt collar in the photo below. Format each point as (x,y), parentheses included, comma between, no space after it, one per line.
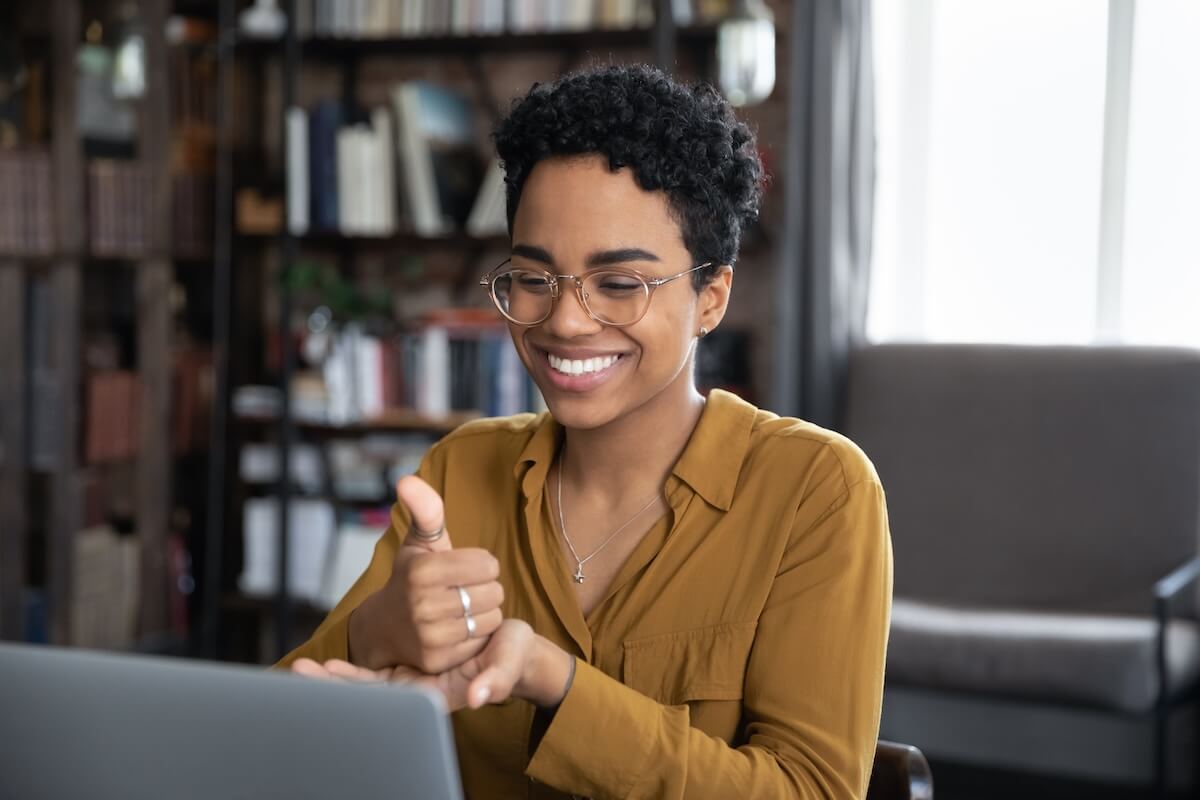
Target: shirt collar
(713,458)
(538,453)
(710,463)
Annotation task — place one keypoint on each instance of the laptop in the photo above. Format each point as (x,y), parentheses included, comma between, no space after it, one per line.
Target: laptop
(99,725)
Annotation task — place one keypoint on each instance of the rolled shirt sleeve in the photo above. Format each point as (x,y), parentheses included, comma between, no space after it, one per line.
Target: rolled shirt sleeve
(812,693)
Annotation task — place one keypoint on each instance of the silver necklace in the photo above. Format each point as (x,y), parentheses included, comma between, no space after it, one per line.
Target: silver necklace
(579,577)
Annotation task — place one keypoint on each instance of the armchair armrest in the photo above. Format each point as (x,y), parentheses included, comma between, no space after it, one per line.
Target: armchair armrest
(900,773)
(1165,590)
(1177,579)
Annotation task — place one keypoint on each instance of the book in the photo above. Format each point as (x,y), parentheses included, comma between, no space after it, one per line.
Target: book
(118,208)
(489,215)
(353,547)
(381,169)
(111,417)
(311,524)
(435,139)
(258,463)
(464,360)
(324,121)
(298,200)
(26,203)
(104,592)
(349,181)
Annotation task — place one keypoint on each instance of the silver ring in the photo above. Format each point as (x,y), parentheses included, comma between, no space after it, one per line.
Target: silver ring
(465,599)
(470,625)
(422,536)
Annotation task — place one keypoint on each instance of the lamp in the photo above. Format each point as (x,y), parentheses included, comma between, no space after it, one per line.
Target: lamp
(746,53)
(263,20)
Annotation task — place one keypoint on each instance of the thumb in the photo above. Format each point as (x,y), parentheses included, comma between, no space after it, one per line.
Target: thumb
(426,511)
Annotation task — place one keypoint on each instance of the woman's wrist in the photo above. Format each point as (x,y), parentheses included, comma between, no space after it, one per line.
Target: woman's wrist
(548,674)
(360,640)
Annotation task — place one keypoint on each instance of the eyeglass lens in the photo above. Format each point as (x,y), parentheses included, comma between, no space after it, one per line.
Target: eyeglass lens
(527,296)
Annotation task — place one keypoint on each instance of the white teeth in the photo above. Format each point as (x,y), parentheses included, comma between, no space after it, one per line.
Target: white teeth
(580,366)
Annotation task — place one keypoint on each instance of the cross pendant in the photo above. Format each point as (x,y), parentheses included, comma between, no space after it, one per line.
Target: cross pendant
(579,576)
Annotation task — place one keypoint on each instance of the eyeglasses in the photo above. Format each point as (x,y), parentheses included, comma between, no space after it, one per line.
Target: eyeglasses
(616,297)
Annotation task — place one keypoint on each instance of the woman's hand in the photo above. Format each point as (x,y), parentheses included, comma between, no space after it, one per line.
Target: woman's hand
(416,620)
(515,662)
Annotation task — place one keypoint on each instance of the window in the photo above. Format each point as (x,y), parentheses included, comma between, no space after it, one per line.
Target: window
(994,182)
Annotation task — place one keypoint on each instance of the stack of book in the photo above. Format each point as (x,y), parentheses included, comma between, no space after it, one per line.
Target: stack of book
(455,360)
(463,359)
(362,19)
(374,19)
(325,556)
(26,206)
(118,208)
(361,376)
(119,201)
(311,526)
(105,589)
(372,175)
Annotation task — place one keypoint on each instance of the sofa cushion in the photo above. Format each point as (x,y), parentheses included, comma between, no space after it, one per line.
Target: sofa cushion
(1105,661)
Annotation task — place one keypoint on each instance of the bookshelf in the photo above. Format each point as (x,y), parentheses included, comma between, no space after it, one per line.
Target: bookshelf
(54,297)
(397,241)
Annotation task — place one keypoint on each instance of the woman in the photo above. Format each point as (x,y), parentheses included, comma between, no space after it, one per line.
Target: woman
(649,594)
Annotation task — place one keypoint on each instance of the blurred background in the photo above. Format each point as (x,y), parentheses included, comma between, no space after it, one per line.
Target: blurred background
(240,245)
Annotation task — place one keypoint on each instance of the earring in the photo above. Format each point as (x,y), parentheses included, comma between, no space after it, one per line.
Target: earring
(703,331)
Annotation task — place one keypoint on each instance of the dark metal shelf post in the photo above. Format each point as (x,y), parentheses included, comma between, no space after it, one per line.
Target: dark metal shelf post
(287,431)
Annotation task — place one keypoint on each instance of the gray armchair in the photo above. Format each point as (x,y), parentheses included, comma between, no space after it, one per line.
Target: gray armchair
(900,772)
(1045,514)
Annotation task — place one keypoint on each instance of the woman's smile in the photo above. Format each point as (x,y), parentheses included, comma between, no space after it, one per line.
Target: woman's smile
(574,370)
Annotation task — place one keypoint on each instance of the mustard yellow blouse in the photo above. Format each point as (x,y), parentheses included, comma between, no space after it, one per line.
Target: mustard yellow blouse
(739,652)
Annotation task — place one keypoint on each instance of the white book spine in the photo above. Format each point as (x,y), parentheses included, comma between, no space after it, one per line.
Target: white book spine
(365,181)
(482,221)
(297,171)
(370,381)
(433,391)
(347,221)
(384,170)
(336,373)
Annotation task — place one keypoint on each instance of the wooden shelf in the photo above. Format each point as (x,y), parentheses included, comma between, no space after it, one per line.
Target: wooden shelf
(456,240)
(236,601)
(104,258)
(394,421)
(331,48)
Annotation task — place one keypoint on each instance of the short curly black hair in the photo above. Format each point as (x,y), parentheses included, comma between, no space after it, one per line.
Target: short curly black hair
(684,140)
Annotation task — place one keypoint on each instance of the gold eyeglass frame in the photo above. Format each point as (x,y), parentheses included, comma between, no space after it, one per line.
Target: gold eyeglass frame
(488,282)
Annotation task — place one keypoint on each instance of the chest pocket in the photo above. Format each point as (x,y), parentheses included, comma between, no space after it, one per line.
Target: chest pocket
(702,664)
